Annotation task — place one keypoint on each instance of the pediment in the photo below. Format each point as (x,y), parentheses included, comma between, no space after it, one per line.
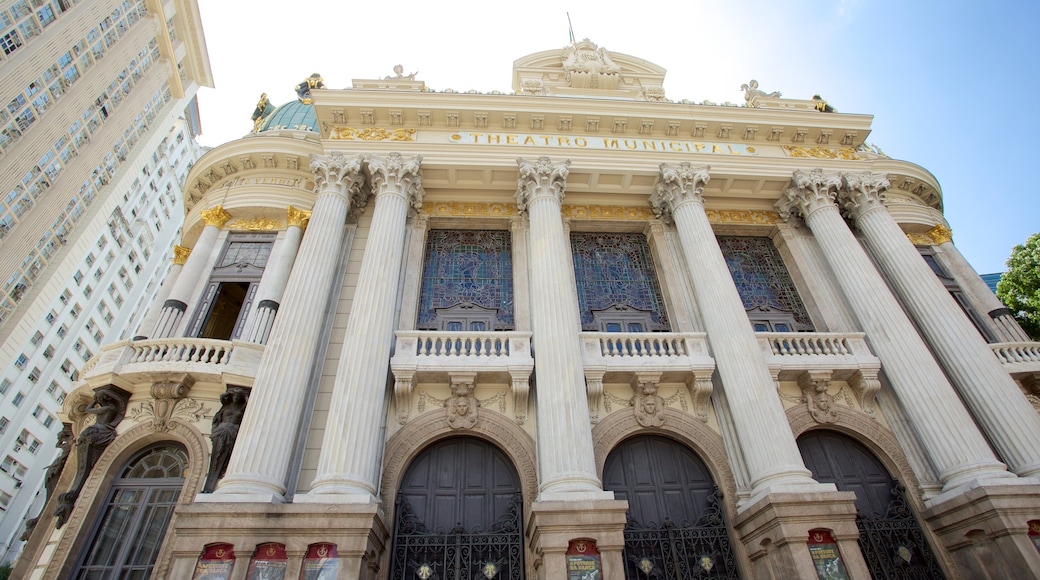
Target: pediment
(583,68)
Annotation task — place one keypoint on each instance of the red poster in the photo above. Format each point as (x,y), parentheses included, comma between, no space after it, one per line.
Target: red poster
(826,557)
(321,562)
(268,563)
(215,562)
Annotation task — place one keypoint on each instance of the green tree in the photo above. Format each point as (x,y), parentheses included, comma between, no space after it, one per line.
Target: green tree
(1019,287)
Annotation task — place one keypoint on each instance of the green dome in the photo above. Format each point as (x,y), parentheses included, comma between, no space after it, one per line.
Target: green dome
(292,115)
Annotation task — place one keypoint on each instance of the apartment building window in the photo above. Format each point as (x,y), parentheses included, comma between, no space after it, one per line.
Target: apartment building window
(10,42)
(5,385)
(48,352)
(43,416)
(34,375)
(617,285)
(20,362)
(31,443)
(36,338)
(78,276)
(467,281)
(955,291)
(17,401)
(228,296)
(4,422)
(766,289)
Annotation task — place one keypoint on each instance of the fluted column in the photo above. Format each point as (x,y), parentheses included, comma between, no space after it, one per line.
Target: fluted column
(566,465)
(954,445)
(180,256)
(173,308)
(258,467)
(1008,420)
(348,466)
(773,460)
(276,276)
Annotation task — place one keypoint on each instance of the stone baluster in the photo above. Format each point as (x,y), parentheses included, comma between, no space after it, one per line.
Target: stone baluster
(276,276)
(566,465)
(955,447)
(180,256)
(258,468)
(993,397)
(173,308)
(773,461)
(348,466)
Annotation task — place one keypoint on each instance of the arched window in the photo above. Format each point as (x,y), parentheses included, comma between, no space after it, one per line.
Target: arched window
(458,514)
(126,539)
(676,527)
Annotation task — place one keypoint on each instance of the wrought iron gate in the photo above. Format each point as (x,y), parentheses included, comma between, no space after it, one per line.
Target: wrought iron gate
(894,545)
(458,554)
(680,552)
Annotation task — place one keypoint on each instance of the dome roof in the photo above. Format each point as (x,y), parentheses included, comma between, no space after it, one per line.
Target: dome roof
(292,115)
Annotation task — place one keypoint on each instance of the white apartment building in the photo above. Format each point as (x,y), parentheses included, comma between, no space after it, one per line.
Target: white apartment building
(97,133)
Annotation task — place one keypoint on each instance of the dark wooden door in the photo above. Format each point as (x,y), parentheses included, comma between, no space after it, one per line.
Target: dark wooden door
(676,528)
(458,513)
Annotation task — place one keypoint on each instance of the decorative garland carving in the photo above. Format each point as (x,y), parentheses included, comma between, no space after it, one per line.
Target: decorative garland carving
(257,224)
(732,216)
(339,133)
(463,209)
(845,153)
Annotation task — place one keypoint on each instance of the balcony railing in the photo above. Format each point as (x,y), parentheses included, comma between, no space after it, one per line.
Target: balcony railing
(437,351)
(646,351)
(206,359)
(791,353)
(1019,358)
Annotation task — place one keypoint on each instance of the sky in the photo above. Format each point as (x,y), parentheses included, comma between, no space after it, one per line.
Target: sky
(950,83)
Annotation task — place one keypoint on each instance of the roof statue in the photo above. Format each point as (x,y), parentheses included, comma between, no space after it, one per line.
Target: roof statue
(263,110)
(399,74)
(303,90)
(590,66)
(752,93)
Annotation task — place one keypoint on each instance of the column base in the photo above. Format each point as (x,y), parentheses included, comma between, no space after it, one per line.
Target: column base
(265,498)
(985,529)
(551,526)
(337,498)
(775,533)
(359,533)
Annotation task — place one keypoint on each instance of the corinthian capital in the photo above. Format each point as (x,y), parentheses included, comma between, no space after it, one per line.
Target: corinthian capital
(398,175)
(808,192)
(539,178)
(338,173)
(862,192)
(215,217)
(679,183)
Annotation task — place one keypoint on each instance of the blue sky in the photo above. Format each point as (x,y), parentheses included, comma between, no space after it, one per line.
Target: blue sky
(951,85)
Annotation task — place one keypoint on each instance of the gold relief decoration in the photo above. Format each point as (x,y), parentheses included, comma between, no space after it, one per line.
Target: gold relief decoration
(607,212)
(755,217)
(180,255)
(936,236)
(845,153)
(215,217)
(297,217)
(371,134)
(257,224)
(461,209)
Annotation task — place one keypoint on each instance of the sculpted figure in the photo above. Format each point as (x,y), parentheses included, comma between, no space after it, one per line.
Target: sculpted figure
(303,90)
(399,74)
(462,406)
(224,434)
(648,405)
(752,92)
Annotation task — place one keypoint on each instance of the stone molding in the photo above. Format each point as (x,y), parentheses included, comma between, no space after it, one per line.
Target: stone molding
(95,491)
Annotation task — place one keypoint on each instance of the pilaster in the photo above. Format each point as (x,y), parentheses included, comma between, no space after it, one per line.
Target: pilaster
(276,276)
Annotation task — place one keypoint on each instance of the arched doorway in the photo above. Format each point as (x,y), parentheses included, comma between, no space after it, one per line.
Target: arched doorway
(126,539)
(893,545)
(676,528)
(458,514)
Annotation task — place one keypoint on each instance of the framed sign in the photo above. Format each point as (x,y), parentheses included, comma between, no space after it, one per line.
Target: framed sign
(826,557)
(321,562)
(583,561)
(215,562)
(268,563)
(1034,533)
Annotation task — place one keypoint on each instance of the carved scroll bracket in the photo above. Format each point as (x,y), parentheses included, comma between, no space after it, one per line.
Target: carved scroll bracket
(521,380)
(700,387)
(866,385)
(404,385)
(594,389)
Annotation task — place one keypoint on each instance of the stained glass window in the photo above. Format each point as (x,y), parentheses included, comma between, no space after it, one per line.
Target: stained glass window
(762,279)
(616,270)
(467,266)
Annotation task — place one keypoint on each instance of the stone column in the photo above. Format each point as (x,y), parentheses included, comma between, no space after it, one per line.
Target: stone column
(773,461)
(955,447)
(173,308)
(1006,417)
(258,467)
(566,465)
(518,226)
(180,256)
(678,313)
(411,286)
(276,276)
(348,466)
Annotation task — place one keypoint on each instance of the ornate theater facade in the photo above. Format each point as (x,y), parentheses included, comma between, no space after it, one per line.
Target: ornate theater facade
(574,331)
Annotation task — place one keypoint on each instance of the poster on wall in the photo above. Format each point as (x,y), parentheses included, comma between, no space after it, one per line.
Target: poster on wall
(1034,533)
(321,562)
(215,562)
(583,560)
(268,563)
(826,557)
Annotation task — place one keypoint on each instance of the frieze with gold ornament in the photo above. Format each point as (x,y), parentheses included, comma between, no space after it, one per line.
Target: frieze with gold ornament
(607,212)
(371,134)
(257,224)
(844,153)
(936,236)
(750,217)
(461,209)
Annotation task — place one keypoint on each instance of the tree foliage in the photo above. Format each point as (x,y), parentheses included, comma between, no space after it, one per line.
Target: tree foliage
(1019,287)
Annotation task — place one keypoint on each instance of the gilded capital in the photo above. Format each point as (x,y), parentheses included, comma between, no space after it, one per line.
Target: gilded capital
(678,184)
(396,174)
(296,217)
(215,217)
(338,174)
(862,192)
(809,192)
(180,255)
(540,177)
(941,234)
